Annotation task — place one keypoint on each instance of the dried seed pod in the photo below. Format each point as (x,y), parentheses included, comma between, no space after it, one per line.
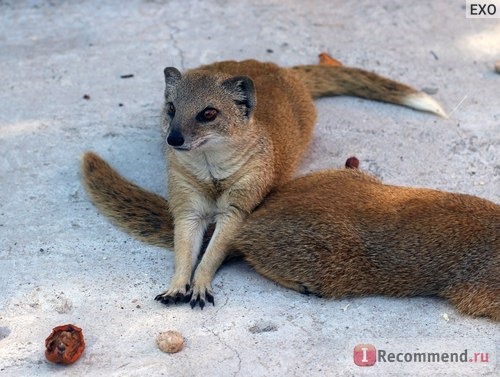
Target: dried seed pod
(170,341)
(65,345)
(326,59)
(352,163)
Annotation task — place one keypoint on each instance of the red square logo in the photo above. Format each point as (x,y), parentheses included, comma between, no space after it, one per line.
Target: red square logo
(365,355)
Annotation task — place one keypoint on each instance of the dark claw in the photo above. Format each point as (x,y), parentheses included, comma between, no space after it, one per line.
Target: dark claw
(194,302)
(179,297)
(187,287)
(158,297)
(187,298)
(165,300)
(210,298)
(197,301)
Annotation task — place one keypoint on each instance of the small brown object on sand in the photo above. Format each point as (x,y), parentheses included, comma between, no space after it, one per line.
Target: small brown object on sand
(65,344)
(170,341)
(325,59)
(497,66)
(352,163)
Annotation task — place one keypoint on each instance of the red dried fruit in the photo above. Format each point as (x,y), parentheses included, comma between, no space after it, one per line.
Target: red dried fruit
(65,345)
(325,59)
(352,163)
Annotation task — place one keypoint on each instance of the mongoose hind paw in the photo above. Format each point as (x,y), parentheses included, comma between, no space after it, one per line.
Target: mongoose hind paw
(304,290)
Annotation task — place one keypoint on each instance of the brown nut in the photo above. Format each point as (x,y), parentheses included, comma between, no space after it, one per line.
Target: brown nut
(65,345)
(170,341)
(352,163)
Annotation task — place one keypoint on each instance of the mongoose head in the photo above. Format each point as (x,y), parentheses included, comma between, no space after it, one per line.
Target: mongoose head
(205,109)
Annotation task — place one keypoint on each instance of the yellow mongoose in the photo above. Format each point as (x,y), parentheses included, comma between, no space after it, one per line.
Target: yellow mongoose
(234,131)
(342,233)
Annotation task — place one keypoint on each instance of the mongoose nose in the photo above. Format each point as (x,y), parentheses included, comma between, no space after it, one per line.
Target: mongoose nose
(175,139)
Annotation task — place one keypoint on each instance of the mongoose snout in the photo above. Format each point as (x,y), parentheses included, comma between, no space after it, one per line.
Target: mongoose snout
(175,138)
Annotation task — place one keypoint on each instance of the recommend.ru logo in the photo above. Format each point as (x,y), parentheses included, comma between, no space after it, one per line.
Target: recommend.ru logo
(366,355)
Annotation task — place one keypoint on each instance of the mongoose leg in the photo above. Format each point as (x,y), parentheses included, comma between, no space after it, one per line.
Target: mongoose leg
(188,239)
(217,250)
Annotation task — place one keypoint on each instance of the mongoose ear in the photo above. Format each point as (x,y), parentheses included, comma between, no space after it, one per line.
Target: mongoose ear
(172,78)
(243,91)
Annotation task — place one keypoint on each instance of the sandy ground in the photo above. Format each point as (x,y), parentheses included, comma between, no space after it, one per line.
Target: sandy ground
(61,262)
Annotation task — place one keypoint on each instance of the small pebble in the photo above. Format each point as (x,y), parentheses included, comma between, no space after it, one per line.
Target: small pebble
(170,341)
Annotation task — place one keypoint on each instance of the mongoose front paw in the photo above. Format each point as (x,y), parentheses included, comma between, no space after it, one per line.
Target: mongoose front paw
(173,296)
(200,295)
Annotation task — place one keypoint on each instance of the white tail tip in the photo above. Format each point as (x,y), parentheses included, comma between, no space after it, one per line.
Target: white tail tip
(424,102)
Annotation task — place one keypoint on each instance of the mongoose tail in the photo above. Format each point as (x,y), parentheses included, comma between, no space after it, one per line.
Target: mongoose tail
(140,213)
(324,80)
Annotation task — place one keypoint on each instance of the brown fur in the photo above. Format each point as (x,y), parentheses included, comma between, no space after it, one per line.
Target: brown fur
(343,233)
(242,155)
(221,168)
(339,233)
(348,80)
(235,131)
(147,215)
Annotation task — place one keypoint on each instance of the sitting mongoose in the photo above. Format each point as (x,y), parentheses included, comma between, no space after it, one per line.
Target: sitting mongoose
(339,233)
(235,130)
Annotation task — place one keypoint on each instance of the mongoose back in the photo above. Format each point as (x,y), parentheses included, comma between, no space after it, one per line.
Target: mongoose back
(342,233)
(235,130)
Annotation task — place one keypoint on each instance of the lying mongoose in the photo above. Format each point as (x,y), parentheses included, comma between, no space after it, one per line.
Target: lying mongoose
(235,130)
(341,233)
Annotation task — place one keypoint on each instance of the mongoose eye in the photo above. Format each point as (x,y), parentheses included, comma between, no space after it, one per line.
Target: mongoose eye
(170,109)
(207,115)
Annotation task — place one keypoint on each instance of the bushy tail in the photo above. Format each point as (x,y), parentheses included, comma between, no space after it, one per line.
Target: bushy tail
(140,213)
(325,80)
